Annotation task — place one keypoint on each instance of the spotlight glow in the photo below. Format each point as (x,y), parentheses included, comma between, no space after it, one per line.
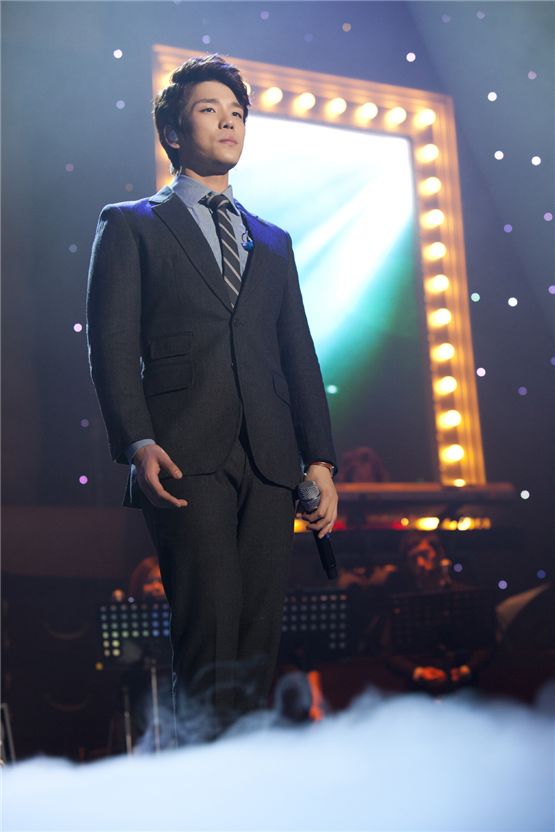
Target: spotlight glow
(525,494)
(366,112)
(411,57)
(432,219)
(480,372)
(336,107)
(396,116)
(435,251)
(437,284)
(427,524)
(536,160)
(430,186)
(459,483)
(304,102)
(439,317)
(83,480)
(271,96)
(427,153)
(512,302)
(452,453)
(443,352)
(425,118)
(117,53)
(492,96)
(346,27)
(499,154)
(77,327)
(449,419)
(475,297)
(446,385)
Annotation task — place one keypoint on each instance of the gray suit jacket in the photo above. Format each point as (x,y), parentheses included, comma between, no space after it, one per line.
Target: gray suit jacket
(171,360)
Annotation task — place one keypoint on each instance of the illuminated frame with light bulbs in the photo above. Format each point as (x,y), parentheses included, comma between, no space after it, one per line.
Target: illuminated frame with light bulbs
(427,120)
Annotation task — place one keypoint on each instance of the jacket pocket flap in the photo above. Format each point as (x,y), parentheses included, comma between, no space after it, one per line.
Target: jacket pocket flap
(167,376)
(167,345)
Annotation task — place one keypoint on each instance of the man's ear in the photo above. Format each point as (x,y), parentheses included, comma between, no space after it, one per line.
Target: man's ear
(171,137)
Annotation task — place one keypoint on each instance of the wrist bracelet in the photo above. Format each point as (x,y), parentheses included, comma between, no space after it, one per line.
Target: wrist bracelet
(328,465)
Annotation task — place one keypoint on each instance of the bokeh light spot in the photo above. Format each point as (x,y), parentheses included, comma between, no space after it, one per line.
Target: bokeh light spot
(120,104)
(541,574)
(264,15)
(457,567)
(72,248)
(480,15)
(84,423)
(536,160)
(117,53)
(206,39)
(513,302)
(507,228)
(480,372)
(492,96)
(346,27)
(77,327)
(522,391)
(532,75)
(499,154)
(411,57)
(502,584)
(551,289)
(69,167)
(475,297)
(548,216)
(445,18)
(525,494)
(83,480)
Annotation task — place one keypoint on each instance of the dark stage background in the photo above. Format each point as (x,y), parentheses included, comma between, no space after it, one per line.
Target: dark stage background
(69,147)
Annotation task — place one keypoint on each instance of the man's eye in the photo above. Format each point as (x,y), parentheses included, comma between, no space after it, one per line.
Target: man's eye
(236,113)
(207,109)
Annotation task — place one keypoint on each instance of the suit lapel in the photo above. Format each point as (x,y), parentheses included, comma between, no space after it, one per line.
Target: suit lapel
(253,271)
(175,215)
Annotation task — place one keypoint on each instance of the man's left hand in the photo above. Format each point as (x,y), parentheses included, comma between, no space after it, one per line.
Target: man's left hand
(323,518)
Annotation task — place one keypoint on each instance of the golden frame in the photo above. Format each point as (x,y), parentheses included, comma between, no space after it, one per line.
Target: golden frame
(427,119)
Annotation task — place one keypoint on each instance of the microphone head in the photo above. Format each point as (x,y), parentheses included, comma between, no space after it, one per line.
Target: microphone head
(308,495)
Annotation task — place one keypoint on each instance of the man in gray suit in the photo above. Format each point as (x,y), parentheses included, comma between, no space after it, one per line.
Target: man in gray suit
(210,387)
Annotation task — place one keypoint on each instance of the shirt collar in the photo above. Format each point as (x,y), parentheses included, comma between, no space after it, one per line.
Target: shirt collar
(191,191)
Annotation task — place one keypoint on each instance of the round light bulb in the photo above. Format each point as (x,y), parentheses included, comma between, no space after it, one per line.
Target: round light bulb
(425,118)
(444,386)
(430,186)
(435,251)
(304,102)
(431,219)
(427,153)
(336,107)
(449,419)
(439,317)
(396,116)
(366,112)
(452,453)
(437,284)
(443,352)
(271,96)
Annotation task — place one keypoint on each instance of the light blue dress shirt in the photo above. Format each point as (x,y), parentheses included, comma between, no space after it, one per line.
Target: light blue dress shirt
(191,191)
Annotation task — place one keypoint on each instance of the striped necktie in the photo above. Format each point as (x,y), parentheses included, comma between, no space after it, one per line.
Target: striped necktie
(218,204)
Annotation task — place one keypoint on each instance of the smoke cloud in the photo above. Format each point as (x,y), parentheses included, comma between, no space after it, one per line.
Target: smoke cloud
(406,763)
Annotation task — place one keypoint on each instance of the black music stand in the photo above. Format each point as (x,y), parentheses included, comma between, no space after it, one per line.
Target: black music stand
(131,632)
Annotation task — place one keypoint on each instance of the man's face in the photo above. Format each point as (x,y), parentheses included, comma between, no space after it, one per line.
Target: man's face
(212,129)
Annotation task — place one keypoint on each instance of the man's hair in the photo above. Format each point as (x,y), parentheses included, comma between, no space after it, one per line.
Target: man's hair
(170,102)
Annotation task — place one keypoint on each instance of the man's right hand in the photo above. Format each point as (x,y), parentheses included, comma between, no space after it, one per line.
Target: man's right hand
(149,461)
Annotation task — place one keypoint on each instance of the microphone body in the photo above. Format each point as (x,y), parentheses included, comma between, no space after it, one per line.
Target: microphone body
(308,495)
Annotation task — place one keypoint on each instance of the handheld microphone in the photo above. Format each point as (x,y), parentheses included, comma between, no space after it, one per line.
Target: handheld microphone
(308,495)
